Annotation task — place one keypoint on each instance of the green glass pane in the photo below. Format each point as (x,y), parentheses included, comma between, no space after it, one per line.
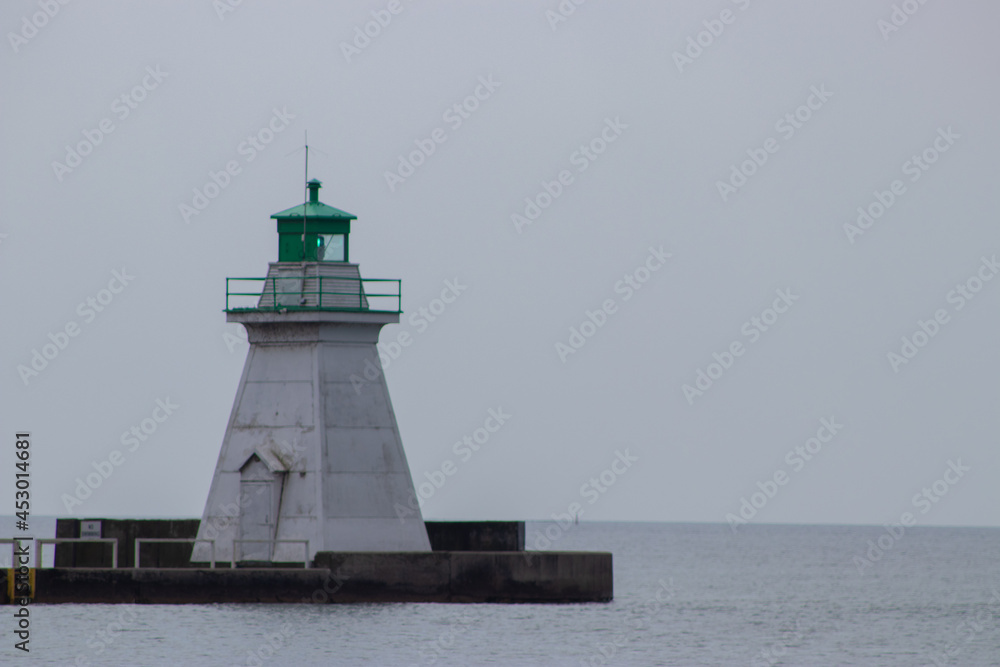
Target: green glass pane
(331,247)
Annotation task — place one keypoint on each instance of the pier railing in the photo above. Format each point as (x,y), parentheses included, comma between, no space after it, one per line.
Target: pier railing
(40,541)
(178,540)
(14,542)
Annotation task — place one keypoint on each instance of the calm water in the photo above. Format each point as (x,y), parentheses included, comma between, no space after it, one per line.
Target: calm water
(770,595)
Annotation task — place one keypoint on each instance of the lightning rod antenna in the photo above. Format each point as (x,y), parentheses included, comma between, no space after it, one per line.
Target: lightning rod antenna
(305,197)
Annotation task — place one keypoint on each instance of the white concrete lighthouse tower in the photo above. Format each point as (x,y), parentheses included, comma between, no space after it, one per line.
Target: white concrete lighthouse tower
(312,450)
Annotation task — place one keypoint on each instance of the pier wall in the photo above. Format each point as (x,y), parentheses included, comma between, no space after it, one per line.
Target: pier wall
(344,577)
(444,536)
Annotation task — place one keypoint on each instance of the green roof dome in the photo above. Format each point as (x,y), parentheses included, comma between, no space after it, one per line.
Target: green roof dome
(314,209)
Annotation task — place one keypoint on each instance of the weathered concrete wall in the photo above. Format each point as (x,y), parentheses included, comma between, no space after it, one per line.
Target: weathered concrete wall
(173,586)
(350,577)
(471,576)
(476,535)
(126,531)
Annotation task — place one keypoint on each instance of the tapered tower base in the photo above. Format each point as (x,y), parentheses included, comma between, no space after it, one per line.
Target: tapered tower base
(312,451)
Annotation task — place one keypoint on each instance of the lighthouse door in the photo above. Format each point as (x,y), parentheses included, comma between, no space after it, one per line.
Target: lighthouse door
(257,509)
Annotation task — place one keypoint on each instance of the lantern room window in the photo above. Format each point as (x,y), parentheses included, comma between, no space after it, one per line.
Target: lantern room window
(331,248)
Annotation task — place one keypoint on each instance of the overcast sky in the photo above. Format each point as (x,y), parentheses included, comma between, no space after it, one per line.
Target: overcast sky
(726,175)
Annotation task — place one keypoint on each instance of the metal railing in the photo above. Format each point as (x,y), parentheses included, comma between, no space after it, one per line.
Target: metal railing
(185,540)
(39,541)
(335,300)
(13,542)
(305,560)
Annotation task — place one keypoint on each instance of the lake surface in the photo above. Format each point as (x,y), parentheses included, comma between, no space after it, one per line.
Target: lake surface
(685,594)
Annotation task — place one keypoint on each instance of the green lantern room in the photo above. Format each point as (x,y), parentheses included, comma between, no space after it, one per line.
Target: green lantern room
(313,231)
(313,271)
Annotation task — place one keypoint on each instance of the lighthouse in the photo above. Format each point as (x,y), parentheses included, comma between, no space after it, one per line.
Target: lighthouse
(312,458)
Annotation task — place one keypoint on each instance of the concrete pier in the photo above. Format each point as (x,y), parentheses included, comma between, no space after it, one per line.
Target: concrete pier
(472,561)
(352,577)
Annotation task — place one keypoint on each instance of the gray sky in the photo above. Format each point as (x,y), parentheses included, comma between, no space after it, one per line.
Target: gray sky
(673,129)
